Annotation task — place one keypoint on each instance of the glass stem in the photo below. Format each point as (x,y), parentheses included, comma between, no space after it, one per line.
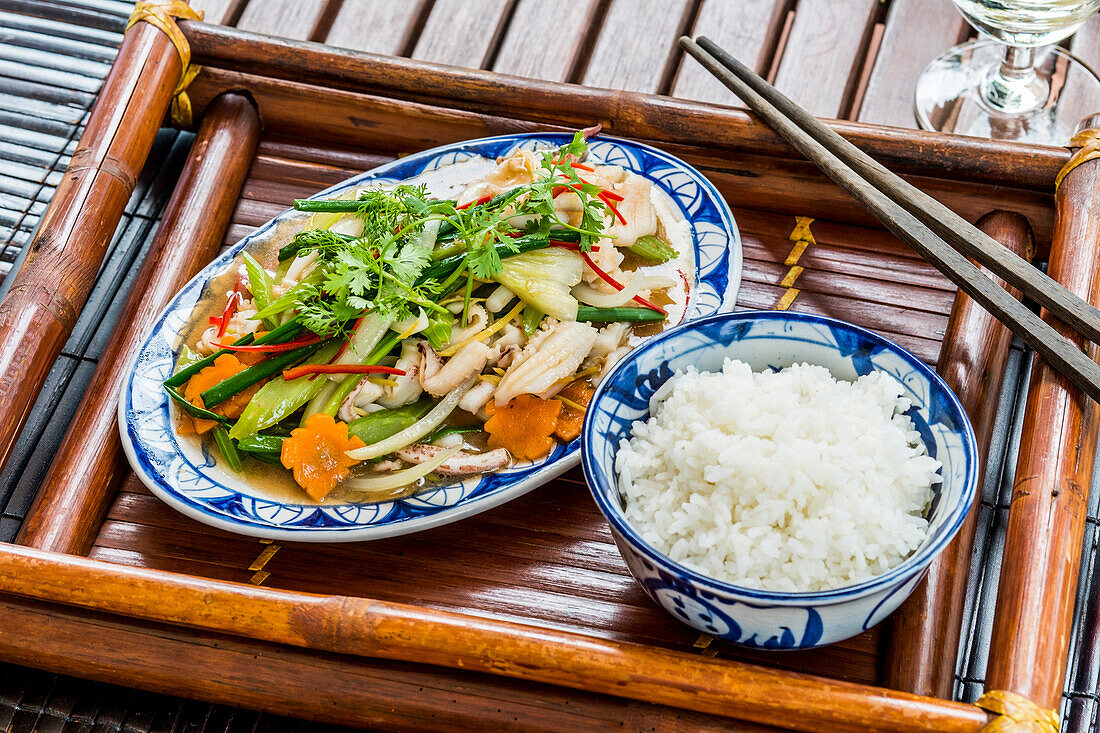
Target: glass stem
(1013,87)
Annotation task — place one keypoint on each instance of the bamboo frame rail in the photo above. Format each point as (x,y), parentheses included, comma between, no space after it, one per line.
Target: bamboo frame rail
(624,113)
(924,632)
(1046,521)
(73,498)
(396,631)
(48,291)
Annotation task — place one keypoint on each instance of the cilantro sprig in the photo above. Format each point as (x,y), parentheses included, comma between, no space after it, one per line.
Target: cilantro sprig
(377,270)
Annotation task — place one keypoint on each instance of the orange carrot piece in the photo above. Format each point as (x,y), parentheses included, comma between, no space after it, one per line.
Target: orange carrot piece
(316,452)
(571,420)
(524,426)
(224,367)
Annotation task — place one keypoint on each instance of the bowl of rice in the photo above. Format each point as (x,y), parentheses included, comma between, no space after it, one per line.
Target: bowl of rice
(778,480)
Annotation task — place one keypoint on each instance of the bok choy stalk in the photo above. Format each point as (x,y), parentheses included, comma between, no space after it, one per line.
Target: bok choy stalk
(259,282)
(417,430)
(543,279)
(229,451)
(654,248)
(382,424)
(366,335)
(278,398)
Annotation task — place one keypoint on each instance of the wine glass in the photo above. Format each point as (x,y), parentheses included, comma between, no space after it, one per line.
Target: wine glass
(1010,87)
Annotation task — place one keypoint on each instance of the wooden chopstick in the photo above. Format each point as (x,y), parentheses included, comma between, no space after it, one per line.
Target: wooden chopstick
(949,226)
(1061,353)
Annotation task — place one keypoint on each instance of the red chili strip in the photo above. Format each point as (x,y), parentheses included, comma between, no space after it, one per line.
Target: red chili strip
(272,348)
(304,369)
(558,190)
(612,195)
(583,167)
(618,286)
(571,245)
(227,314)
(611,205)
(479,202)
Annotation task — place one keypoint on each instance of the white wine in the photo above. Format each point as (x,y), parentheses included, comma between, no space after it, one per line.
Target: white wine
(1028,22)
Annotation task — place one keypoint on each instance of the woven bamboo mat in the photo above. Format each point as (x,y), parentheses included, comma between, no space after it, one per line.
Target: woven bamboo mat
(52,57)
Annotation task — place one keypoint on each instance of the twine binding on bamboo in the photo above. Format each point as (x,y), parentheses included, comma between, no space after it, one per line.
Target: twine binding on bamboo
(1016,714)
(161,14)
(1087,143)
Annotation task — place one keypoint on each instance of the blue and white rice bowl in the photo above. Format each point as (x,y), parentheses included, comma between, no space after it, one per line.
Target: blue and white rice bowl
(774,340)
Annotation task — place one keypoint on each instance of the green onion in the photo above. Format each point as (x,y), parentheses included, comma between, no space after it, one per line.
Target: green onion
(625,314)
(654,248)
(229,451)
(272,459)
(269,367)
(532,317)
(258,443)
(193,410)
(380,425)
(259,282)
(278,335)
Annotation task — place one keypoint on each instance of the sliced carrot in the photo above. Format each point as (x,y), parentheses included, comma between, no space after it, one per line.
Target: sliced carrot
(316,452)
(571,419)
(524,426)
(224,367)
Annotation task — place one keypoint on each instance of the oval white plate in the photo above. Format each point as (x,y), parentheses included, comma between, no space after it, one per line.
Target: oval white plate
(193,480)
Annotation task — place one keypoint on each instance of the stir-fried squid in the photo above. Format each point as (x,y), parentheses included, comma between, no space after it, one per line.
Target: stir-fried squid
(403,336)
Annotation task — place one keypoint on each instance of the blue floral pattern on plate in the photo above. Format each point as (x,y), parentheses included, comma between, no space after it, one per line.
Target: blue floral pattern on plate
(193,480)
(773,340)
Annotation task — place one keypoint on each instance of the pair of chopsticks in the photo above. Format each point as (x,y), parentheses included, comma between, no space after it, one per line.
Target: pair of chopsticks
(938,234)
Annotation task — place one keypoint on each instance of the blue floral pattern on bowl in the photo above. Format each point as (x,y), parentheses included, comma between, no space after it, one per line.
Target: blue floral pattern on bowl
(195,482)
(773,340)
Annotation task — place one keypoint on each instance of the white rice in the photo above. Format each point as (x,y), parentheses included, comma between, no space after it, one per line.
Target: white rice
(785,481)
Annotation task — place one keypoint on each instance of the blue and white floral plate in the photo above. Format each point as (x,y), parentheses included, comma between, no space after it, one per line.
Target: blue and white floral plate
(195,481)
(775,340)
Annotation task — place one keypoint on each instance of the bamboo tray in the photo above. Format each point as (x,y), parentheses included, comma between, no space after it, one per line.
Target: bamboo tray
(525,616)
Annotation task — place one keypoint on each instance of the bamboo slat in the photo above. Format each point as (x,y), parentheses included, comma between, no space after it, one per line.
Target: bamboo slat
(301,19)
(821,60)
(46,294)
(441,42)
(924,633)
(377,27)
(619,61)
(547,39)
(1046,521)
(916,31)
(77,491)
(752,27)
